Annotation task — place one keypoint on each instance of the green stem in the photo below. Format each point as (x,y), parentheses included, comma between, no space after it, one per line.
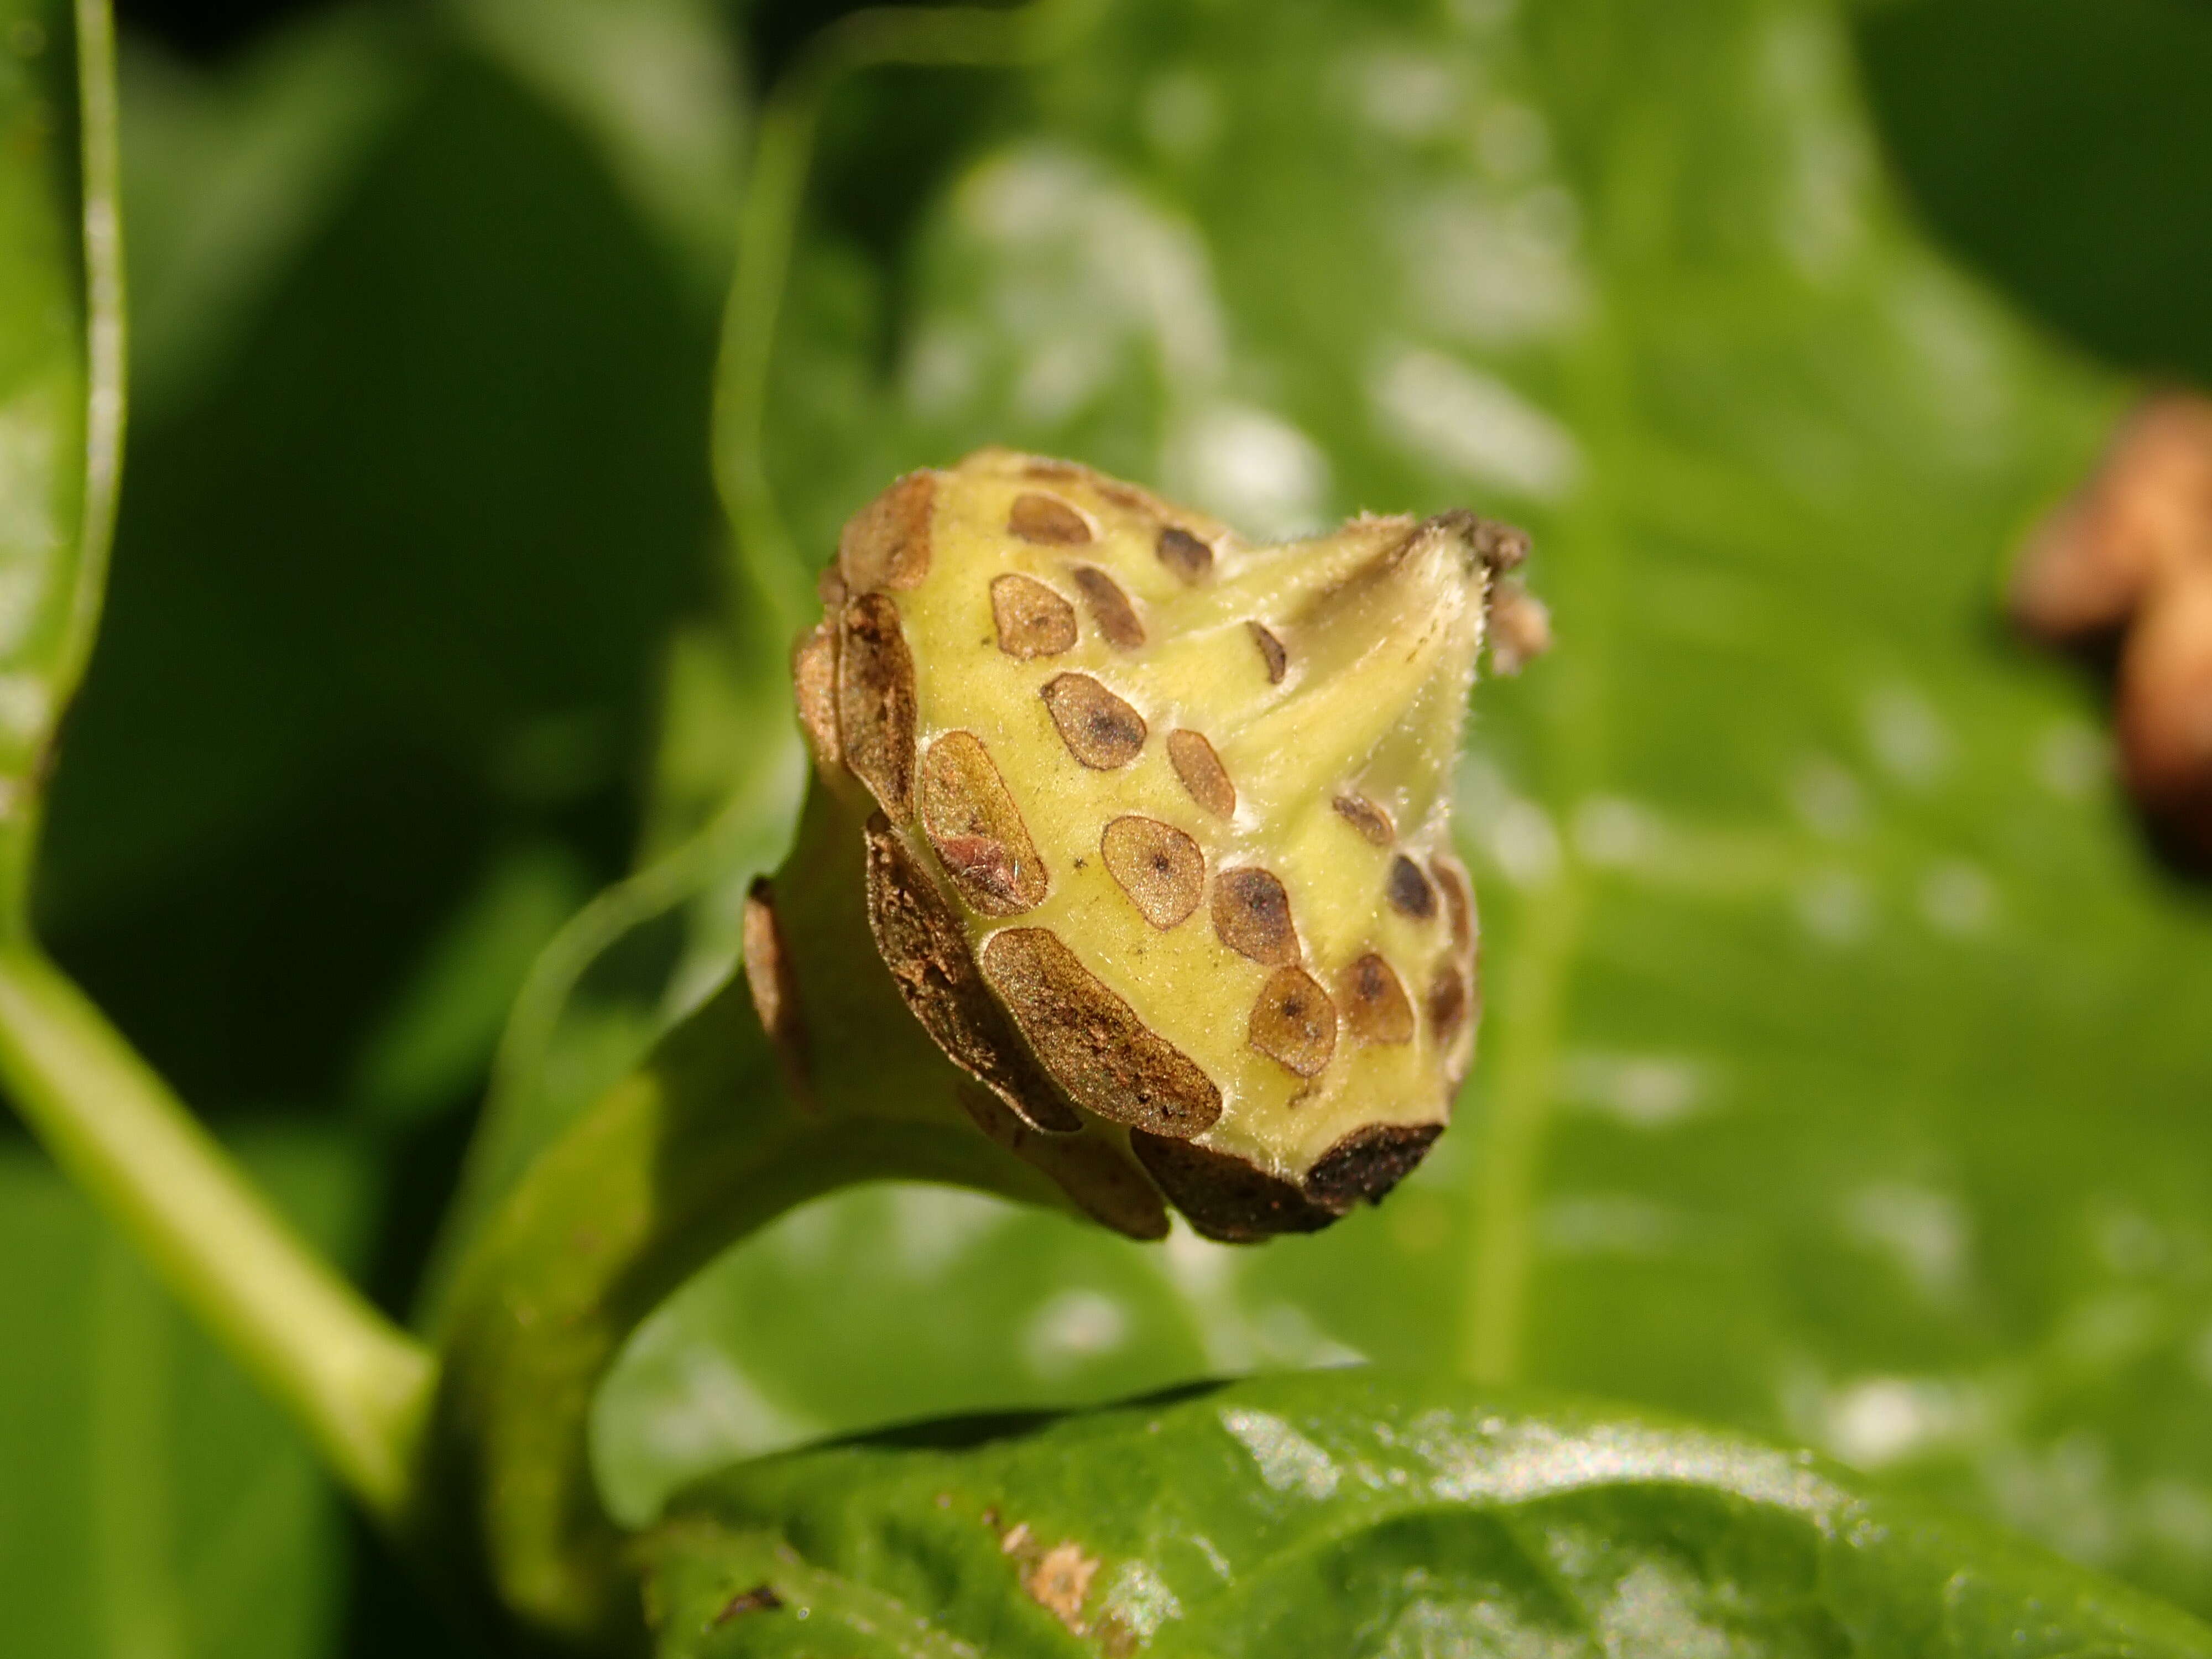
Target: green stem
(357,1384)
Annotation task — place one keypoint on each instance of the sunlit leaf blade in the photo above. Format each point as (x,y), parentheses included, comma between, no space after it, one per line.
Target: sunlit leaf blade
(61,383)
(1844,1068)
(1354,1513)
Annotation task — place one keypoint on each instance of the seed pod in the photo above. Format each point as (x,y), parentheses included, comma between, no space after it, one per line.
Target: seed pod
(1181,806)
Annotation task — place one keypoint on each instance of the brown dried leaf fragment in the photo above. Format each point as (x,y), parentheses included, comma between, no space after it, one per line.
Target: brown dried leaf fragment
(1047,519)
(886,542)
(1252,916)
(1271,652)
(1159,867)
(1375,1006)
(1365,816)
(2145,514)
(2164,705)
(876,702)
(1502,547)
(924,944)
(1107,1059)
(1459,899)
(1185,554)
(773,985)
(1520,627)
(1111,609)
(1227,1199)
(1409,890)
(1202,773)
(1368,1163)
(1032,620)
(1097,1174)
(1293,1022)
(814,686)
(1099,729)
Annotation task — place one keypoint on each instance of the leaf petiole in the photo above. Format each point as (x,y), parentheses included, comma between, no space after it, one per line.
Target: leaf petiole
(357,1384)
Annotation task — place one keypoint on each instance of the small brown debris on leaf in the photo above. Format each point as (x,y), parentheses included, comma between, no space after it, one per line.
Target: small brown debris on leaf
(1201,773)
(886,542)
(1099,729)
(1032,620)
(761,1598)
(1159,867)
(1293,1022)
(1048,520)
(1111,608)
(1059,1581)
(1252,916)
(977,830)
(1107,1059)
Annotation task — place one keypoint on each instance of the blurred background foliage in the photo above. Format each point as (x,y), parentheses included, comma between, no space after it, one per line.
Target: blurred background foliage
(1878,1123)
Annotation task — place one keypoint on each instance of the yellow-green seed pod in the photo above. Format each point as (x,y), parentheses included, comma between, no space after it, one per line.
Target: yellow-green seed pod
(1157,834)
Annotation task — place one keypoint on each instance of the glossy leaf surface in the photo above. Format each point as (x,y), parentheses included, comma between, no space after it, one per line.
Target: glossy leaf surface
(1354,1513)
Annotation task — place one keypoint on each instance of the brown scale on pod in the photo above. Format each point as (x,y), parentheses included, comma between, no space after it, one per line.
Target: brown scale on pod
(1156,842)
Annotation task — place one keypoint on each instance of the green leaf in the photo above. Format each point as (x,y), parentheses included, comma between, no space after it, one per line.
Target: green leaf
(1844,1065)
(61,385)
(1354,1513)
(151,1500)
